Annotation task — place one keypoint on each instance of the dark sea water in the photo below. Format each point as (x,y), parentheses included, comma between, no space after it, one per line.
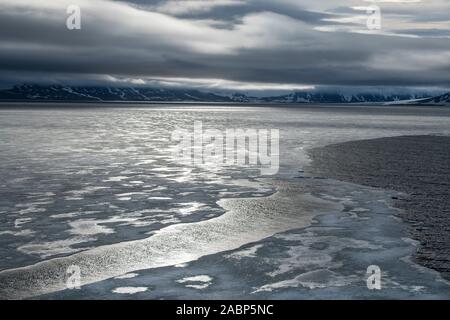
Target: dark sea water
(98,187)
(416,165)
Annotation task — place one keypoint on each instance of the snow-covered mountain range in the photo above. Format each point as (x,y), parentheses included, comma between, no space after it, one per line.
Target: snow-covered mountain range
(142,94)
(439,100)
(101,94)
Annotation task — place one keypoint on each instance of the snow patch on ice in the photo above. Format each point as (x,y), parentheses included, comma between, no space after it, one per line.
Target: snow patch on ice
(129,290)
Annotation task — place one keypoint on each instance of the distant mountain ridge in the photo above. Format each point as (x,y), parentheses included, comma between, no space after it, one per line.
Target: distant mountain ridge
(103,94)
(336,97)
(143,94)
(439,100)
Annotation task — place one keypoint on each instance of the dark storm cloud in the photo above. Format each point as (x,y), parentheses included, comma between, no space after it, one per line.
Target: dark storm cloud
(286,43)
(233,12)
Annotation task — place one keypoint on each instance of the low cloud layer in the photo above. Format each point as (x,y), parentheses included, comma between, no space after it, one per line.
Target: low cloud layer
(227,44)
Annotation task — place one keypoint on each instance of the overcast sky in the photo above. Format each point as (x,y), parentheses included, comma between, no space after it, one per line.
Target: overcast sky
(227,44)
